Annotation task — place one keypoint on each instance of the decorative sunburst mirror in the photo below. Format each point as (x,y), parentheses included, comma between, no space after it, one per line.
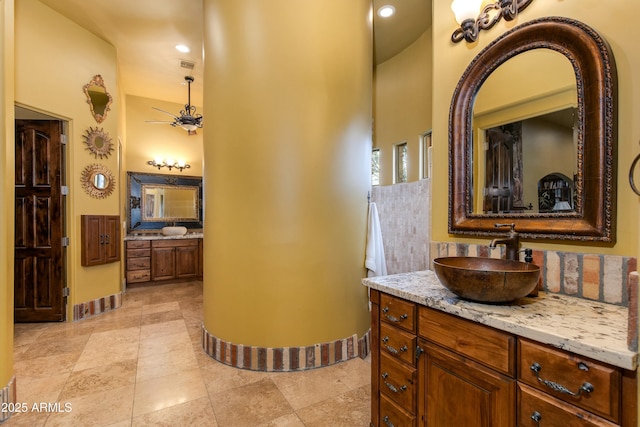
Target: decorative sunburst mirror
(97,180)
(98,142)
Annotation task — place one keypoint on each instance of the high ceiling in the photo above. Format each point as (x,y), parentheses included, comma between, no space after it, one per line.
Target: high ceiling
(145,33)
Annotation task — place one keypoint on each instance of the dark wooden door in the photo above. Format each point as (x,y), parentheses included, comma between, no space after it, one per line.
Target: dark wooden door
(38,254)
(499,172)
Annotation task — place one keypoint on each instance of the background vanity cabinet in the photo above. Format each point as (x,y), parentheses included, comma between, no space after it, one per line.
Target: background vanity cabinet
(138,261)
(100,236)
(430,368)
(174,259)
(163,259)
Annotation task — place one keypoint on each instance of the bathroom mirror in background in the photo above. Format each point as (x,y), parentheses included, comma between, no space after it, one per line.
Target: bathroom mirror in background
(98,98)
(506,124)
(157,200)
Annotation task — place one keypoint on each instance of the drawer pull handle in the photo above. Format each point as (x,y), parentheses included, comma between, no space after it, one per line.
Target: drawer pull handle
(388,422)
(393,318)
(585,388)
(392,350)
(536,416)
(391,386)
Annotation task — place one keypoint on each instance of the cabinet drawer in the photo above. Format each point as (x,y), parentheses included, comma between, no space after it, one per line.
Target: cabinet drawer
(398,312)
(142,263)
(483,344)
(560,373)
(138,276)
(398,344)
(398,382)
(392,415)
(536,409)
(135,253)
(172,243)
(138,244)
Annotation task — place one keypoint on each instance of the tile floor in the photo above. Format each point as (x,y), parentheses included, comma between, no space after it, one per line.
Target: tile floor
(143,365)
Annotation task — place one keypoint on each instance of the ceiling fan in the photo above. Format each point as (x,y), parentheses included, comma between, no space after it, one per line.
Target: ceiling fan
(188,120)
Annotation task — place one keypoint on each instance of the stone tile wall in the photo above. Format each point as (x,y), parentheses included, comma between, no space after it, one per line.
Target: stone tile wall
(405,221)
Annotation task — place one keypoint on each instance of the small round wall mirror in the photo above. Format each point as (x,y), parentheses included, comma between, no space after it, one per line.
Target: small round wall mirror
(98,142)
(97,181)
(98,98)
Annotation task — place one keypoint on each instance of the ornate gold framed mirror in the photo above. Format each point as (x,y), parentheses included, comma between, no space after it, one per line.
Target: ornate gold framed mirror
(98,98)
(97,181)
(593,199)
(98,142)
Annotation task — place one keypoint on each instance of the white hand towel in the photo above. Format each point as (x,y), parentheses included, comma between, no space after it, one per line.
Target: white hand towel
(374,256)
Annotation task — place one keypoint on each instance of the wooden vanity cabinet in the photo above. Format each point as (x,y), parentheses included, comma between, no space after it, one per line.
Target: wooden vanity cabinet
(162,260)
(100,238)
(432,369)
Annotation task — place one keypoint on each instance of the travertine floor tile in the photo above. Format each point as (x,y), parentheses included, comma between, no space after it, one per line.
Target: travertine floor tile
(251,405)
(143,365)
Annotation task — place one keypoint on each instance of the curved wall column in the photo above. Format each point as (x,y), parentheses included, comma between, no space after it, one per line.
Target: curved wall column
(287,146)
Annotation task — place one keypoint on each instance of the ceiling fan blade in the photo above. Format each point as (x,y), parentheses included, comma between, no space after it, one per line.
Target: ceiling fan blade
(166,112)
(158,122)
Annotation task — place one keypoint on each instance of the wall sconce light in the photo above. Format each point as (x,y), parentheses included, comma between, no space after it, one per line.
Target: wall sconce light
(169,163)
(470,25)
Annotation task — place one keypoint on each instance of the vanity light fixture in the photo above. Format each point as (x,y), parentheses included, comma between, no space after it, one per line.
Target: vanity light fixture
(465,12)
(386,11)
(169,163)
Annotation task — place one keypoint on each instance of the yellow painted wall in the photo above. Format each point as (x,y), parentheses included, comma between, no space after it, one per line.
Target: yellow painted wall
(146,141)
(55,58)
(6,191)
(612,19)
(287,155)
(402,105)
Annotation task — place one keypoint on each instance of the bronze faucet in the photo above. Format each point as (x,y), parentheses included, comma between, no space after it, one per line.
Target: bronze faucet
(511,242)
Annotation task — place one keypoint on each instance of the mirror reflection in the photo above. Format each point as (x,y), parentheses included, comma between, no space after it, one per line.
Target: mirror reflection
(525,142)
(100,181)
(169,203)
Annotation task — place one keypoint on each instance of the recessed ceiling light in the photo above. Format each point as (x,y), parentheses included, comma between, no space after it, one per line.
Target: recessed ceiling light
(386,11)
(182,48)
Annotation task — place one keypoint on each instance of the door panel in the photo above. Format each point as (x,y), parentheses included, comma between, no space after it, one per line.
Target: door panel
(38,253)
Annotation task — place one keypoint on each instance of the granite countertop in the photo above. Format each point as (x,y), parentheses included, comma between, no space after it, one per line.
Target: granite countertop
(160,236)
(588,328)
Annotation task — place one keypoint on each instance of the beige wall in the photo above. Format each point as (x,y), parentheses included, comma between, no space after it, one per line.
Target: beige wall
(6,191)
(402,105)
(55,58)
(146,141)
(612,19)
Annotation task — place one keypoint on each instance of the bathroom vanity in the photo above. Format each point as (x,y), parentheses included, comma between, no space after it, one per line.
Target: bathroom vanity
(549,360)
(156,258)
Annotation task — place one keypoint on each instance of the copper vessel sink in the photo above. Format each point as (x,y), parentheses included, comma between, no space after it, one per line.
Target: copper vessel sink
(487,280)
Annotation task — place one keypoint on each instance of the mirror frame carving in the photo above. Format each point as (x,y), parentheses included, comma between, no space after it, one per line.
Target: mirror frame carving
(135,182)
(90,142)
(596,79)
(86,178)
(98,81)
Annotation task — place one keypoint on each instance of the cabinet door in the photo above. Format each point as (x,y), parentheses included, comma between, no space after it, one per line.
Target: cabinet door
(92,240)
(460,392)
(111,233)
(186,261)
(163,266)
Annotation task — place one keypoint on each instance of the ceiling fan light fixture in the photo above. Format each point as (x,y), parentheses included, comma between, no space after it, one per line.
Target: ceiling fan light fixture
(189,127)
